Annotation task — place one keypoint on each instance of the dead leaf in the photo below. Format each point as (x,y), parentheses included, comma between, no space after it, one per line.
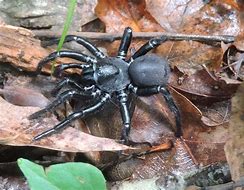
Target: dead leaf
(177,160)
(234,148)
(24,96)
(118,16)
(152,121)
(17,130)
(171,14)
(203,142)
(203,86)
(233,59)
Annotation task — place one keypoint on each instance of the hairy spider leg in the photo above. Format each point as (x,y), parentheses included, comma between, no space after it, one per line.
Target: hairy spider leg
(82,41)
(169,100)
(74,116)
(126,116)
(63,97)
(148,46)
(69,54)
(125,43)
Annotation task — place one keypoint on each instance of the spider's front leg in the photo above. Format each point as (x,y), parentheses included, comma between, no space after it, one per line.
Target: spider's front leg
(126,117)
(69,54)
(79,114)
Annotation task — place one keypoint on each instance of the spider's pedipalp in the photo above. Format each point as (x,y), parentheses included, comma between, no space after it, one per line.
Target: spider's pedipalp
(69,54)
(62,67)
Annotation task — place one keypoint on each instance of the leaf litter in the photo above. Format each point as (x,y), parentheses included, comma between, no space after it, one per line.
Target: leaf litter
(199,85)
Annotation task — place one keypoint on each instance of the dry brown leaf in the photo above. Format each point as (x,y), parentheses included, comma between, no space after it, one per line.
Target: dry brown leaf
(233,60)
(205,143)
(203,86)
(118,15)
(24,97)
(234,148)
(171,14)
(177,160)
(152,121)
(17,130)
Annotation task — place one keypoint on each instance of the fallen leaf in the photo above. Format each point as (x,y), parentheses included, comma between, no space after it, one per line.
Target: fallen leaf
(234,147)
(203,142)
(177,160)
(152,121)
(17,130)
(117,16)
(174,12)
(203,86)
(24,96)
(233,61)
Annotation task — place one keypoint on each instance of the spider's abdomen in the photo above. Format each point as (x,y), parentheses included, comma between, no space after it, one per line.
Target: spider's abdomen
(149,70)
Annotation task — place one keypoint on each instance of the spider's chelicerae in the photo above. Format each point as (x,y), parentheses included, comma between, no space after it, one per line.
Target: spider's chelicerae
(104,77)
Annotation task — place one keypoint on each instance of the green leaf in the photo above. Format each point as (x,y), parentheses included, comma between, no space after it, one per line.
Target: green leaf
(35,175)
(71,10)
(67,176)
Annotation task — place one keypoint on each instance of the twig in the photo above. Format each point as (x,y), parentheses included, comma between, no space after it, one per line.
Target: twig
(226,186)
(139,35)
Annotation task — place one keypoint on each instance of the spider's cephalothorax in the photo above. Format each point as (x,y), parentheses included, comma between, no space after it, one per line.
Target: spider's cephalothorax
(103,77)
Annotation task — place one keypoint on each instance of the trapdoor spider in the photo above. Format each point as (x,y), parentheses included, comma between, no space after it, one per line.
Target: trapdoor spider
(104,77)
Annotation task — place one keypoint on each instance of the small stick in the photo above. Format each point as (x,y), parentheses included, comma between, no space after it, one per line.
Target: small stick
(225,186)
(140,35)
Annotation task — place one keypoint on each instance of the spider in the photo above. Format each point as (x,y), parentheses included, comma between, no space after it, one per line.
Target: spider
(106,77)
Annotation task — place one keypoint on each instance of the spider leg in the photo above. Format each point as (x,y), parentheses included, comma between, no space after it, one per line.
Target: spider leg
(126,117)
(173,107)
(169,100)
(125,43)
(72,83)
(67,95)
(82,41)
(148,46)
(69,54)
(60,68)
(74,116)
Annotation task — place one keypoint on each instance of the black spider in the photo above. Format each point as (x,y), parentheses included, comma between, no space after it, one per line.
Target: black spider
(103,77)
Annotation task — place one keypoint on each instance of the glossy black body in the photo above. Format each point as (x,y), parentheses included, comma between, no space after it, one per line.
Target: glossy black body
(109,81)
(149,70)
